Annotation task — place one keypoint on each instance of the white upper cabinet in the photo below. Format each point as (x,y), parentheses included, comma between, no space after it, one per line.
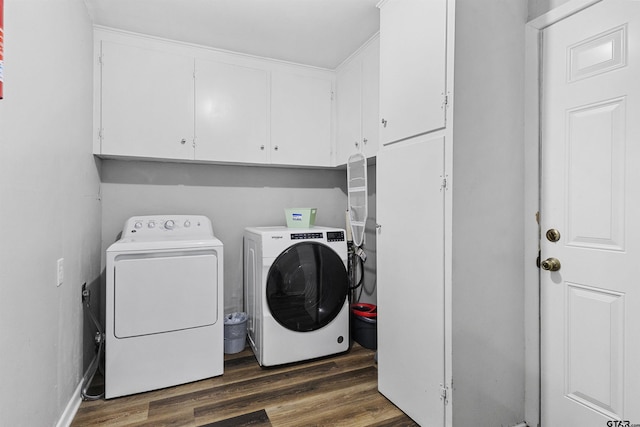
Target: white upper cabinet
(301,107)
(371,98)
(412,68)
(232,122)
(147,102)
(348,105)
(166,100)
(358,104)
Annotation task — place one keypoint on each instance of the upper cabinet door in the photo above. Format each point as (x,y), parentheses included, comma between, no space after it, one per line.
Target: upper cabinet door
(348,106)
(231,113)
(300,119)
(371,98)
(412,67)
(147,102)
(358,103)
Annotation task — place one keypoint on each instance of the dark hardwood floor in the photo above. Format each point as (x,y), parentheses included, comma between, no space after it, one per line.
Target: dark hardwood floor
(334,391)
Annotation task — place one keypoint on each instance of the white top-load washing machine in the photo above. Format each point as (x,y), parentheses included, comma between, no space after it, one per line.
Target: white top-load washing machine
(296,287)
(164,304)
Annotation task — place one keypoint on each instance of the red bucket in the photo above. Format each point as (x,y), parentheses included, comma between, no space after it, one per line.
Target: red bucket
(365,310)
(364,320)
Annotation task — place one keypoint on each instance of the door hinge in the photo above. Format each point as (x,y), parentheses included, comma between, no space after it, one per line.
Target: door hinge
(100,59)
(443,185)
(445,103)
(100,134)
(332,95)
(443,394)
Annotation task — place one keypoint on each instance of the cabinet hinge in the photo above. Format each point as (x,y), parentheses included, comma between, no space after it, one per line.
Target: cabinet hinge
(332,95)
(100,59)
(100,134)
(445,103)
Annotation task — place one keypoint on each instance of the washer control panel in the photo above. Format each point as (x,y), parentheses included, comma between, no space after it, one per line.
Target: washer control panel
(303,236)
(335,236)
(332,236)
(170,225)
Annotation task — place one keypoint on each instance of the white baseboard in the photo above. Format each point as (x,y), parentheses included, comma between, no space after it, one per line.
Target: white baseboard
(72,407)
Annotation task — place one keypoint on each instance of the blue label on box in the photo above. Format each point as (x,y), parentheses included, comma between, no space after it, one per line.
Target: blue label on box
(296,217)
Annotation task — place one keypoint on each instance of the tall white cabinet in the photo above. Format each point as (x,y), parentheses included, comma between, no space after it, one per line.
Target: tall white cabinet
(449,211)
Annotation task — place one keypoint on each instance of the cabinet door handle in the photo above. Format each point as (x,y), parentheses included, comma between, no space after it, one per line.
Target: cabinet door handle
(356,144)
(275,148)
(183,141)
(262,147)
(365,140)
(384,123)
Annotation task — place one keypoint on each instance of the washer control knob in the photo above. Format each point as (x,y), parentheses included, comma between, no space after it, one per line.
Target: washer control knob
(151,224)
(187,223)
(138,224)
(169,224)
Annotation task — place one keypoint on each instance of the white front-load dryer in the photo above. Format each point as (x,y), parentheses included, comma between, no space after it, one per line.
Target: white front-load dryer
(296,287)
(164,304)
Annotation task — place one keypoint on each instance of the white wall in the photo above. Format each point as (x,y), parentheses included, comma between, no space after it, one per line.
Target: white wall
(488,230)
(540,7)
(233,197)
(49,206)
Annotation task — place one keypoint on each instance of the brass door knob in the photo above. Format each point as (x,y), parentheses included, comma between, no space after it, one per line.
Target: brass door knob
(550,264)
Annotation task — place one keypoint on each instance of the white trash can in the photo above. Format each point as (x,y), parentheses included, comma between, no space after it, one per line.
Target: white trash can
(235,332)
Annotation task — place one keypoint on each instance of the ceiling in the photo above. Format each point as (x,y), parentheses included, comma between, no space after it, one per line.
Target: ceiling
(321,33)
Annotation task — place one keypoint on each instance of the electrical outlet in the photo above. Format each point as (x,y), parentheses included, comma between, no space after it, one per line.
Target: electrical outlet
(60,271)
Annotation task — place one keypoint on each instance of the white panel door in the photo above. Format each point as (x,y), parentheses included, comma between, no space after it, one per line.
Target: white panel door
(412,67)
(411,309)
(590,306)
(300,119)
(147,102)
(232,122)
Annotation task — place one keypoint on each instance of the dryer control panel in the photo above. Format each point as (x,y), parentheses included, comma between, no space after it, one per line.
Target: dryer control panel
(167,225)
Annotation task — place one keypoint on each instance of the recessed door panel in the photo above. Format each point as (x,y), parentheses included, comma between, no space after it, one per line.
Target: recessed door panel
(595,175)
(164,293)
(594,374)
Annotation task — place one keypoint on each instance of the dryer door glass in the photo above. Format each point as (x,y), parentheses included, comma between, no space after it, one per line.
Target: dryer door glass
(306,286)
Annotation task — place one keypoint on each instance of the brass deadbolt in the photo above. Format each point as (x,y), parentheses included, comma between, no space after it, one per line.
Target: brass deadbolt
(553,235)
(550,264)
